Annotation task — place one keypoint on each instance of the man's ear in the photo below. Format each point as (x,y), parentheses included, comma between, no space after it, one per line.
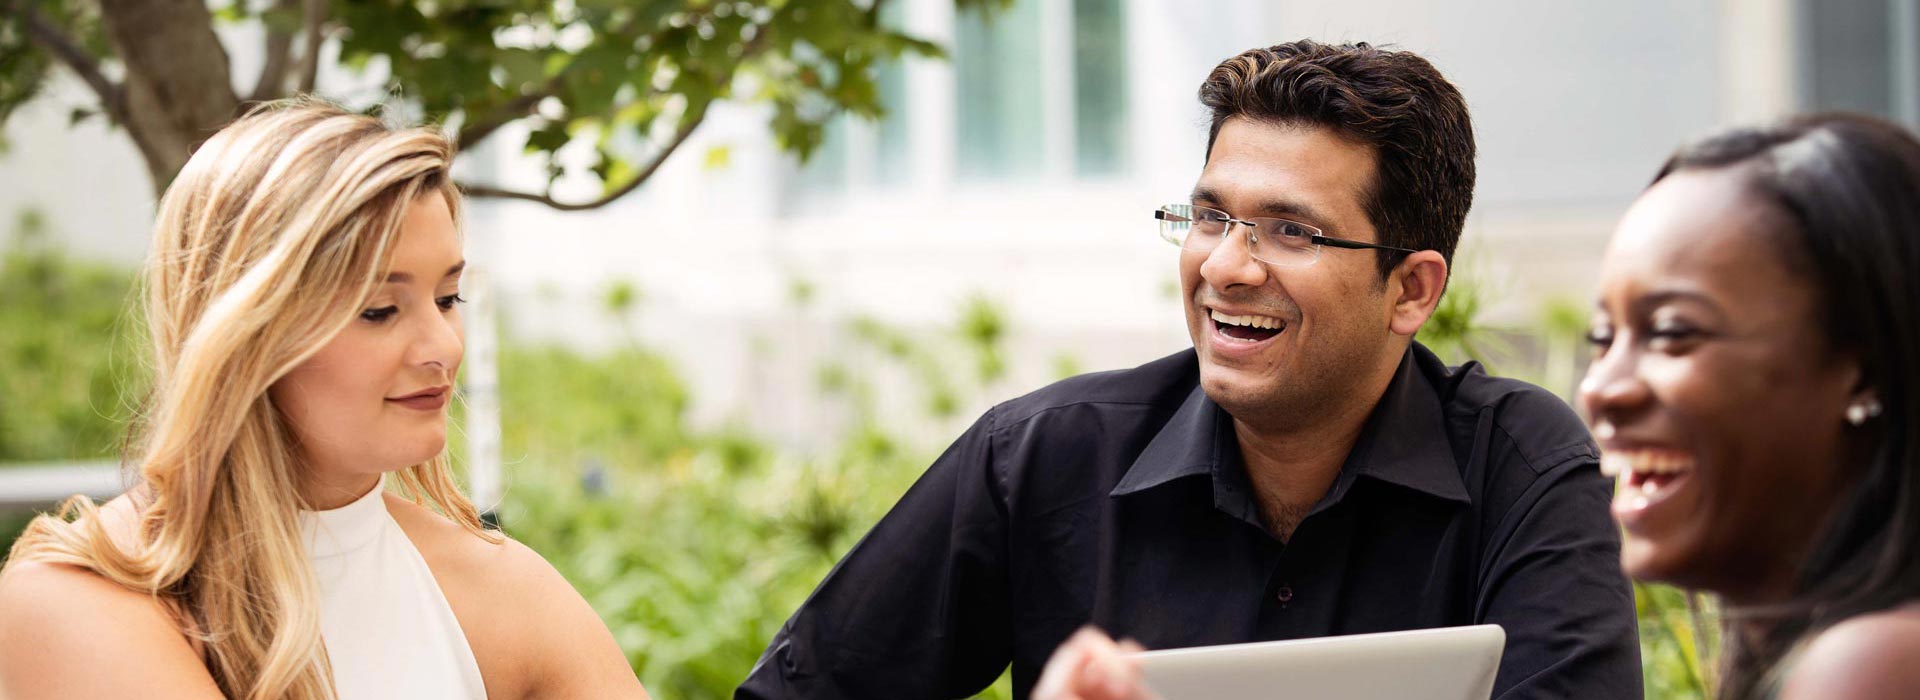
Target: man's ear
(1414,286)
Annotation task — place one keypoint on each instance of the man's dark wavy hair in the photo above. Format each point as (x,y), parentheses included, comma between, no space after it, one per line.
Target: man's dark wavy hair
(1392,101)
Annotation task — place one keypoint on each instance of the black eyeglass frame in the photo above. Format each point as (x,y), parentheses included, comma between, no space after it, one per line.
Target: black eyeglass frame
(1317,238)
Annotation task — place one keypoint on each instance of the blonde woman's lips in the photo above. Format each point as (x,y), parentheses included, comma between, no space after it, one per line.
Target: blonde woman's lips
(428,400)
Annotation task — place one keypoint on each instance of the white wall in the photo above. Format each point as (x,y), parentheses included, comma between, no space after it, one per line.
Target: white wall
(88,179)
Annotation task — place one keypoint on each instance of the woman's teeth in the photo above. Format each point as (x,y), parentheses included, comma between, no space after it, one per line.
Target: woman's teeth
(1644,462)
(1643,477)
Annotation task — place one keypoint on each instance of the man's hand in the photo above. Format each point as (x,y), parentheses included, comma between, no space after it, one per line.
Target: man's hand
(1091,666)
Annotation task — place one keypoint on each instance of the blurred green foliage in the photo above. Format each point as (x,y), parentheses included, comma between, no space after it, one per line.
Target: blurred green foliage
(67,366)
(1679,632)
(694,545)
(694,556)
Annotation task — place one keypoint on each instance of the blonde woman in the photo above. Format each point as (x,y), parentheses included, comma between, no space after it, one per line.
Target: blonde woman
(303,298)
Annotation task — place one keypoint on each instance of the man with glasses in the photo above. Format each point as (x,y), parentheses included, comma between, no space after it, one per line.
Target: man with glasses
(1305,470)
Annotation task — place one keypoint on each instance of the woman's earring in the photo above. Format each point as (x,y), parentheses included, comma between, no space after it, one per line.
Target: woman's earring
(1859,412)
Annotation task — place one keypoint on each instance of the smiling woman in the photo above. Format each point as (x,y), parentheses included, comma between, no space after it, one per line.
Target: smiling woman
(403,350)
(302,297)
(1757,354)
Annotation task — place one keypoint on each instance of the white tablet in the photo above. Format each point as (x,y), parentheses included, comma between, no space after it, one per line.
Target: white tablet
(1448,663)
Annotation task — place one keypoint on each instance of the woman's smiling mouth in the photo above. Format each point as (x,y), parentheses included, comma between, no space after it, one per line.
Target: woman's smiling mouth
(1646,479)
(430,399)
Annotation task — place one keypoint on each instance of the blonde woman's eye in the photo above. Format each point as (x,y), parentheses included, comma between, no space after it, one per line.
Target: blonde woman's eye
(379,315)
(447,302)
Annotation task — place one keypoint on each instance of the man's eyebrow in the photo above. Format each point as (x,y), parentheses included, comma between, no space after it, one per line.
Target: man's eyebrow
(1282,208)
(403,278)
(1287,208)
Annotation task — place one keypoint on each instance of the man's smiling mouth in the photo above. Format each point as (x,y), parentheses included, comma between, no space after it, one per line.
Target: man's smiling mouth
(1246,327)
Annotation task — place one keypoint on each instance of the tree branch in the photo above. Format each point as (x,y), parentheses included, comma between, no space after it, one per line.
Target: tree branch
(500,117)
(279,52)
(179,84)
(76,58)
(679,137)
(472,132)
(316,15)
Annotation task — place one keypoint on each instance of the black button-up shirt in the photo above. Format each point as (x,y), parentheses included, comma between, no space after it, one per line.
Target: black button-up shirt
(1120,499)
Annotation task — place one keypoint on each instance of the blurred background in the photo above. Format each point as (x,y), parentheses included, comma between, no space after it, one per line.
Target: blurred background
(741,269)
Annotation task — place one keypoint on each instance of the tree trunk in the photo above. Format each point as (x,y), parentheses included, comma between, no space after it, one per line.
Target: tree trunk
(179,88)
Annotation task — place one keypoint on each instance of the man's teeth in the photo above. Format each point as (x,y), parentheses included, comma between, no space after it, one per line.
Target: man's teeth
(1644,462)
(1266,322)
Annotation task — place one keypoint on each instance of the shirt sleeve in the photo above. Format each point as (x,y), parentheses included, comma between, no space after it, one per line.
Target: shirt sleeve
(918,608)
(1554,583)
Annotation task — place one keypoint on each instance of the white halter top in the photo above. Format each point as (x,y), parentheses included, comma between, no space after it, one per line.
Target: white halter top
(388,629)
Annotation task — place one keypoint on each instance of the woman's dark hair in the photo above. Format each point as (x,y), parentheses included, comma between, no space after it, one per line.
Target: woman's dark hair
(1849,188)
(1393,101)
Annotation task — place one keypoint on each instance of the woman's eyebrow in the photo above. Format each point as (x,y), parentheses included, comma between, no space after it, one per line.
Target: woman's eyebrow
(1657,298)
(404,277)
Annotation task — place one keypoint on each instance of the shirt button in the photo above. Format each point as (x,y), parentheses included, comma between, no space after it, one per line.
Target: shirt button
(1285,595)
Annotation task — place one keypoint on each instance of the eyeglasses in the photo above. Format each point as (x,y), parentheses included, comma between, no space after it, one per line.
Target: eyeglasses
(1277,242)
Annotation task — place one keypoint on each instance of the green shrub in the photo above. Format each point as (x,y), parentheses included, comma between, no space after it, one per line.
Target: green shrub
(68,373)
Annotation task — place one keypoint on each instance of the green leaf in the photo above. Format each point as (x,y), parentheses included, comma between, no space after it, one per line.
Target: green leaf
(718,157)
(548,138)
(621,297)
(286,20)
(525,70)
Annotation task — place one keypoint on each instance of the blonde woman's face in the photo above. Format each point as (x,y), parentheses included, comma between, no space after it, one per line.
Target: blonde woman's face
(374,399)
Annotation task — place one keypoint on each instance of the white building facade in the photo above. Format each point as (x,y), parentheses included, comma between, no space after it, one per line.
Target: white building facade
(1024,170)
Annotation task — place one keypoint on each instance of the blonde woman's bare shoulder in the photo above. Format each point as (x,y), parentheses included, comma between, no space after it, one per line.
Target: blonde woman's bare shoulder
(531,631)
(441,540)
(68,632)
(1869,657)
(498,563)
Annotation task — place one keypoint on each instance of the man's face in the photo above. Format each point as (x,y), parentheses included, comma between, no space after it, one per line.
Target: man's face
(1332,316)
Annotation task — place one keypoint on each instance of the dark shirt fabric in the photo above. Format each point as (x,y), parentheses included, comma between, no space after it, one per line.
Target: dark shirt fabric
(1120,499)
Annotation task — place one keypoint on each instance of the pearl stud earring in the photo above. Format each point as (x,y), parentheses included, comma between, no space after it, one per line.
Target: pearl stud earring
(1861,411)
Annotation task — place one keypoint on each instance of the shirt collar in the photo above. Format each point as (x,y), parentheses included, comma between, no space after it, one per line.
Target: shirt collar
(1404,442)
(1186,446)
(1405,439)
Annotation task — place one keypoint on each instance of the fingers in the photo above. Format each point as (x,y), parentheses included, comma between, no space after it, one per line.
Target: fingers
(1091,666)
(1109,674)
(1065,666)
(1129,647)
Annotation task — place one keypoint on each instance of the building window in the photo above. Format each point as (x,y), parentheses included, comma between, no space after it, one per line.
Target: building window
(996,64)
(1860,56)
(892,139)
(1099,87)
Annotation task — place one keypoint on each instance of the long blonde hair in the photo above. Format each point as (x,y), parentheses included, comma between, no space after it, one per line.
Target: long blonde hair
(266,244)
